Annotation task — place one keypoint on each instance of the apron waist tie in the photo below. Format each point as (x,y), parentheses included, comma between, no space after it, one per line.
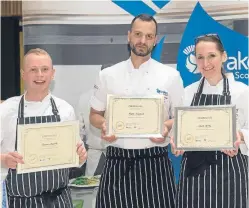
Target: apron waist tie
(52,194)
(137,157)
(198,162)
(46,194)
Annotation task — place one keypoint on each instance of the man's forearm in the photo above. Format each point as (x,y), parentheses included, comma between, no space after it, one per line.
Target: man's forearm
(169,124)
(97,120)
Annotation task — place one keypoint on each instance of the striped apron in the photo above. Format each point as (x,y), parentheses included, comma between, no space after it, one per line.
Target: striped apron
(134,178)
(212,179)
(43,189)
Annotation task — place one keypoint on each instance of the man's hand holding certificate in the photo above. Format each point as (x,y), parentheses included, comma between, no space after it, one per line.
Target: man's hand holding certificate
(134,117)
(49,146)
(108,138)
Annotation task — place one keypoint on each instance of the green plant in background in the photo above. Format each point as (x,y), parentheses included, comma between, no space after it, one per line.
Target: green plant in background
(85,180)
(78,203)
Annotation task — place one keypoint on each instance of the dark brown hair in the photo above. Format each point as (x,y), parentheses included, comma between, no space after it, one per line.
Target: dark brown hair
(211,38)
(144,17)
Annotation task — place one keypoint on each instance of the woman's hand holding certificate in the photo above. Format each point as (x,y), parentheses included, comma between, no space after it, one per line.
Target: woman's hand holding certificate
(233,153)
(173,148)
(205,128)
(230,153)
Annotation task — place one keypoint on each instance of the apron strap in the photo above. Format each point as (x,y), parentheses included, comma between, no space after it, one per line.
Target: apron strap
(54,108)
(200,87)
(226,91)
(21,107)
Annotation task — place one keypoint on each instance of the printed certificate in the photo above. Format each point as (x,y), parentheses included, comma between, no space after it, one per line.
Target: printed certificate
(48,146)
(135,116)
(205,128)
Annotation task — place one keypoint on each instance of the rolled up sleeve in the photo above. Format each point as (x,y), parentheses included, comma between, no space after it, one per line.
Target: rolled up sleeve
(98,99)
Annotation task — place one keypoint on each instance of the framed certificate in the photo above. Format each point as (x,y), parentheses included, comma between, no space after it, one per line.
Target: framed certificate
(135,116)
(205,128)
(47,146)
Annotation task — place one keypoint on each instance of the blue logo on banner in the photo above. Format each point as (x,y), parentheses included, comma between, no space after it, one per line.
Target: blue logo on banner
(201,23)
(135,7)
(138,7)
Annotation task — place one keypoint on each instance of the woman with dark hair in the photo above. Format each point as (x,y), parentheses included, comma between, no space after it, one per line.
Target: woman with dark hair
(215,178)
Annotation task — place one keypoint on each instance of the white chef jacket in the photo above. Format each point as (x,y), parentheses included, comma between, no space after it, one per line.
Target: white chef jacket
(9,114)
(239,96)
(90,134)
(152,78)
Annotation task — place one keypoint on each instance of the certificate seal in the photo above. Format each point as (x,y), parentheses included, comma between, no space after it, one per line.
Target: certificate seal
(32,159)
(120,125)
(189,138)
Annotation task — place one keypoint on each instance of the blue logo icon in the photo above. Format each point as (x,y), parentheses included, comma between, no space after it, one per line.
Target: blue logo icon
(190,59)
(162,92)
(140,7)
(201,23)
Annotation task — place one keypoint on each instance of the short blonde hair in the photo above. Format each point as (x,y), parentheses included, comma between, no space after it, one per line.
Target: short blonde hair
(38,52)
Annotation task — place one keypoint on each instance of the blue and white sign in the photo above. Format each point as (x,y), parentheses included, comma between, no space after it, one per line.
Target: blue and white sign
(235,44)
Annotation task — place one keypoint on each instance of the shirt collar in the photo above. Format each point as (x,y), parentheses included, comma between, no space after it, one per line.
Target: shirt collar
(143,68)
(47,98)
(229,76)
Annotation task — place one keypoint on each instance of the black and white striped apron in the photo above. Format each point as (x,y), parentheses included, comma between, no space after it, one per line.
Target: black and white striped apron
(136,178)
(212,179)
(39,189)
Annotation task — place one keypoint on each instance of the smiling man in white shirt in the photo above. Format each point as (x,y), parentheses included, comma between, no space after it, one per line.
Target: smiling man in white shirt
(37,105)
(137,172)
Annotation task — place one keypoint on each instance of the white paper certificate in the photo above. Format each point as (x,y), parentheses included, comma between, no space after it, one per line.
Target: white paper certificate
(205,128)
(135,116)
(47,146)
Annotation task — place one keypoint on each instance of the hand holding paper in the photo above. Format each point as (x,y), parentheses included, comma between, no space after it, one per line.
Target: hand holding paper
(11,159)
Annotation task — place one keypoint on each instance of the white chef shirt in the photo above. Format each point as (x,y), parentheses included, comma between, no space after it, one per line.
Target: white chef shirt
(239,96)
(150,79)
(9,114)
